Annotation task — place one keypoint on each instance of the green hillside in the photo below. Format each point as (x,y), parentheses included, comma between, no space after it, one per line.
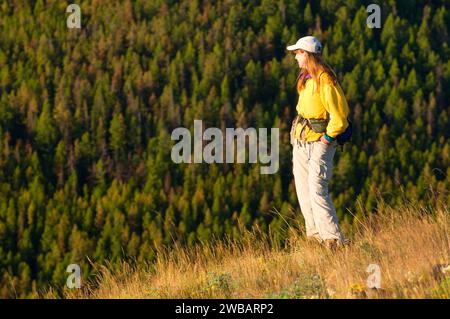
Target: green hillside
(86,117)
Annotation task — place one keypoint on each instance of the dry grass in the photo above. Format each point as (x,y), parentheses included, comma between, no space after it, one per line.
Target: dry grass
(406,244)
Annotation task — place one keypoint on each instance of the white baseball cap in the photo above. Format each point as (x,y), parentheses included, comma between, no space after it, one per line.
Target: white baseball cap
(308,43)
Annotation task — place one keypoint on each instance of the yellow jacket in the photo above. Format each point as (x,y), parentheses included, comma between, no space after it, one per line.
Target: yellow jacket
(315,104)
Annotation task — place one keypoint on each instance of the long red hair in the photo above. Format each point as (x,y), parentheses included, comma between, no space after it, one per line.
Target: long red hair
(315,66)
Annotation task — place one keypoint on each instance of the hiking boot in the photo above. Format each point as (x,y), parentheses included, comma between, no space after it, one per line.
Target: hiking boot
(332,244)
(346,242)
(314,239)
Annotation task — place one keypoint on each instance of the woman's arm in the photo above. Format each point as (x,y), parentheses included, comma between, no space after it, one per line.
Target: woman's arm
(336,105)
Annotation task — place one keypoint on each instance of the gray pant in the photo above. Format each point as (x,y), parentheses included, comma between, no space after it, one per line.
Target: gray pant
(312,168)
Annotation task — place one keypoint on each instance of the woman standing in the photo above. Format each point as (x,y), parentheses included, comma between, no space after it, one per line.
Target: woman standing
(322,116)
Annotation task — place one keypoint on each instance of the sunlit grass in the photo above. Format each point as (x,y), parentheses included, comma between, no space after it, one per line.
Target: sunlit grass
(410,245)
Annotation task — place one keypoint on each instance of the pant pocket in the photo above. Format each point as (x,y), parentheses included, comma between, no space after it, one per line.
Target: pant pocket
(332,144)
(324,171)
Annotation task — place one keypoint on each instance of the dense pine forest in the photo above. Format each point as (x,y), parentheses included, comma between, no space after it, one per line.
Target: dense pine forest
(86,117)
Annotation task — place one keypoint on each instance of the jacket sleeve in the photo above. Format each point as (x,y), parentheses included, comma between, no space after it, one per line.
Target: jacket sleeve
(336,105)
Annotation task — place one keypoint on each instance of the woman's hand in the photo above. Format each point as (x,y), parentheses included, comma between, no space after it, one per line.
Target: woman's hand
(323,139)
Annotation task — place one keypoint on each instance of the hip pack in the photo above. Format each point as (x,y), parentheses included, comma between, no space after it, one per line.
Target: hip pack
(320,126)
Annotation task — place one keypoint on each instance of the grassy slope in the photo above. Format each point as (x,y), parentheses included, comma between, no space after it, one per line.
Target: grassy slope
(406,243)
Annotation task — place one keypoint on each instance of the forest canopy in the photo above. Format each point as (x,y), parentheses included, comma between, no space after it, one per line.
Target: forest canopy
(86,117)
